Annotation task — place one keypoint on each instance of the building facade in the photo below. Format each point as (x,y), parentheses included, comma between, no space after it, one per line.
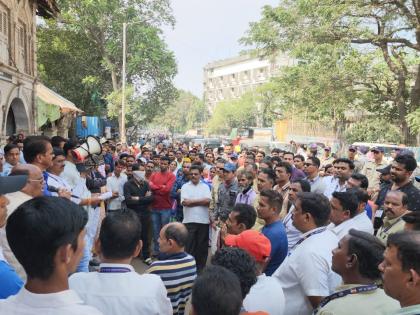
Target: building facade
(230,78)
(18,71)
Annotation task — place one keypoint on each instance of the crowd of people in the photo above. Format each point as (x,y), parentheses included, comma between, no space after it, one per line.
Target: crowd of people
(223,231)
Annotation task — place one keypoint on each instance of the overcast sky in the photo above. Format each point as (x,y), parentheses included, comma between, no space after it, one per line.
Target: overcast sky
(206,31)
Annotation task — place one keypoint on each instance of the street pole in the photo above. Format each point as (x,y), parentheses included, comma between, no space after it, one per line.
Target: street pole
(123,137)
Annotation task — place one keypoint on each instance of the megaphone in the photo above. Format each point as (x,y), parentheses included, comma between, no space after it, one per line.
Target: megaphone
(89,147)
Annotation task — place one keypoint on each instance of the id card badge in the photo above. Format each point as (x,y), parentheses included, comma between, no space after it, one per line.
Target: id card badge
(378,213)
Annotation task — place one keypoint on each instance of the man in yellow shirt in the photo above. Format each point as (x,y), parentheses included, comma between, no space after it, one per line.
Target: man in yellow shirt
(395,206)
(369,169)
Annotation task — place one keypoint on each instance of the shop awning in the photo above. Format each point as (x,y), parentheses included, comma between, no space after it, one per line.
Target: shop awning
(50,105)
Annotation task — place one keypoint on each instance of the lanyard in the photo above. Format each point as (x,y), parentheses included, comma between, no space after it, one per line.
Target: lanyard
(306,237)
(114,269)
(340,294)
(389,227)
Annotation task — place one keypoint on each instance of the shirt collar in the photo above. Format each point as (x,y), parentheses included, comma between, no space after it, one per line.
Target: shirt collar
(388,222)
(338,228)
(109,265)
(314,179)
(413,309)
(1,255)
(314,230)
(49,300)
(286,186)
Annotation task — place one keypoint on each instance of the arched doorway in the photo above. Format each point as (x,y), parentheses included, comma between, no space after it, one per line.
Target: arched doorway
(16,120)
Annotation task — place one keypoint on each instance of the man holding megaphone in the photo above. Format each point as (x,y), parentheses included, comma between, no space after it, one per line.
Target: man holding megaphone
(89,147)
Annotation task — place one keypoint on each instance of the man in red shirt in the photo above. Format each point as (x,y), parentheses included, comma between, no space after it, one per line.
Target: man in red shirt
(161,184)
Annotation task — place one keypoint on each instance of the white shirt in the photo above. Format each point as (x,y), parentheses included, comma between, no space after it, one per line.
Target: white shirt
(15,200)
(307,272)
(116,184)
(70,174)
(363,223)
(293,234)
(332,184)
(126,293)
(197,214)
(59,182)
(266,295)
(61,303)
(7,168)
(360,222)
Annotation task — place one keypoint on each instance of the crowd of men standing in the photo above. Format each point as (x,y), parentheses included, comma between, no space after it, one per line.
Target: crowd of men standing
(297,232)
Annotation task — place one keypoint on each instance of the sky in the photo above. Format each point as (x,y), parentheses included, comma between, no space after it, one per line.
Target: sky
(206,31)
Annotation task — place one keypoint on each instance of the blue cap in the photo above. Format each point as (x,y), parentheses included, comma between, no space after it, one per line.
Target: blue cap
(230,167)
(377,149)
(406,152)
(417,178)
(233,156)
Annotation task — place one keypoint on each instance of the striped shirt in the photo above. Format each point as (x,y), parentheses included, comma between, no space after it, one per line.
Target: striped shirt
(178,272)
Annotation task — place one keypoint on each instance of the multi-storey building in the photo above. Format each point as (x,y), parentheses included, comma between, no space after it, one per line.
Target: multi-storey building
(19,90)
(231,78)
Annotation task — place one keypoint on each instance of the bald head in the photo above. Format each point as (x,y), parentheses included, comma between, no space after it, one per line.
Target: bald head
(35,182)
(177,232)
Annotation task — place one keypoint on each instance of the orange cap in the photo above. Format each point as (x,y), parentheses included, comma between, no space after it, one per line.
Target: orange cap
(253,242)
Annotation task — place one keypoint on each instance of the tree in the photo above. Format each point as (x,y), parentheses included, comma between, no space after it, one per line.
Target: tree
(384,36)
(68,64)
(373,130)
(186,112)
(236,113)
(151,66)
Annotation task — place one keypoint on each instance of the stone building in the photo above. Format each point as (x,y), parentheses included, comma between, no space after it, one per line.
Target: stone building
(18,67)
(230,78)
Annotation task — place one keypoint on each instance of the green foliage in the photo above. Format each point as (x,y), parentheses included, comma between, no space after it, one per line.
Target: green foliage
(373,130)
(90,36)
(68,64)
(233,114)
(350,55)
(414,121)
(186,112)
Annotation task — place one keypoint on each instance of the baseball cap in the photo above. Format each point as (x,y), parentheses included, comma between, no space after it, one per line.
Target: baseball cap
(363,149)
(313,146)
(142,160)
(384,171)
(406,152)
(10,184)
(377,149)
(230,167)
(353,148)
(233,156)
(253,242)
(327,148)
(417,178)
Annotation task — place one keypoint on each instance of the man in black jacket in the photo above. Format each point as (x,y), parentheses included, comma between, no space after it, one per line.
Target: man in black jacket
(138,197)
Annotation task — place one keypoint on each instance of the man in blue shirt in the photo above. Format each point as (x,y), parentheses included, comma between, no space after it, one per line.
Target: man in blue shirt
(269,207)
(9,279)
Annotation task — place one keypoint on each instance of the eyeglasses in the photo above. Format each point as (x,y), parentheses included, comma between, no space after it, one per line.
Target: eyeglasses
(40,180)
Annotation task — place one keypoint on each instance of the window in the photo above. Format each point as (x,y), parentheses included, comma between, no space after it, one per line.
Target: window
(22,48)
(4,35)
